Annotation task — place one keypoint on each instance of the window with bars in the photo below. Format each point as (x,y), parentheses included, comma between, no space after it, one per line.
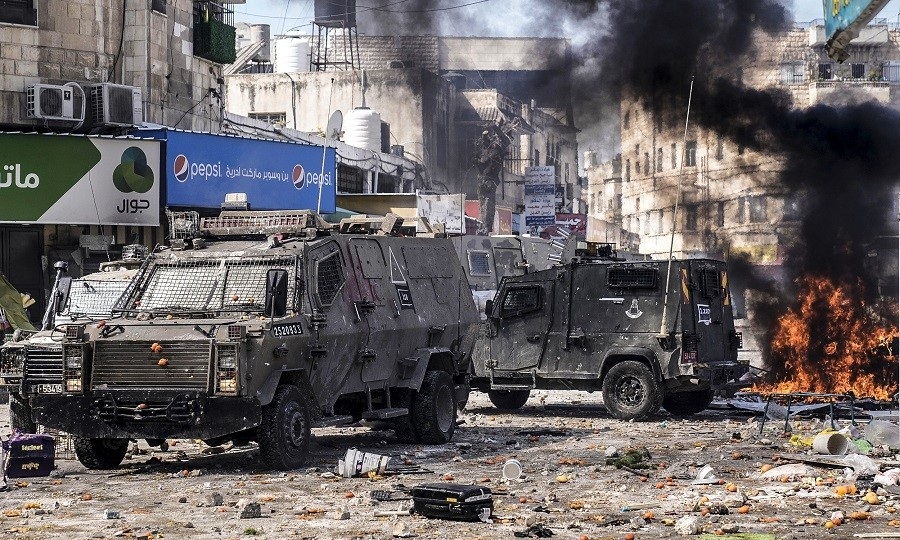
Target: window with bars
(710,283)
(632,277)
(690,157)
(826,71)
(891,71)
(479,263)
(858,71)
(350,179)
(793,73)
(270,117)
(521,300)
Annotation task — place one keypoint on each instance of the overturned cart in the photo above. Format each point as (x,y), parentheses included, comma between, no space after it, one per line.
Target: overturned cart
(260,326)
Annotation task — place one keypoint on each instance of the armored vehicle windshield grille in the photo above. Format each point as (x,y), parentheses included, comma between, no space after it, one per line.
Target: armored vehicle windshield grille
(521,300)
(44,365)
(93,299)
(329,278)
(479,263)
(232,284)
(624,277)
(132,364)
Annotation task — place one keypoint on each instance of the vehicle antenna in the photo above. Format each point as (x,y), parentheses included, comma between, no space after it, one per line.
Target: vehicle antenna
(664,323)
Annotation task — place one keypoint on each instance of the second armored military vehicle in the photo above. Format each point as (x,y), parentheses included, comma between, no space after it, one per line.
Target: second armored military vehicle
(561,321)
(263,325)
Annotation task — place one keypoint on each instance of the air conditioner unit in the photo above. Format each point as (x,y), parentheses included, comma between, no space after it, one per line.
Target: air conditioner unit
(53,102)
(115,105)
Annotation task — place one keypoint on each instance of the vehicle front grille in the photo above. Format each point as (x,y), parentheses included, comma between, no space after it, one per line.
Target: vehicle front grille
(43,365)
(133,365)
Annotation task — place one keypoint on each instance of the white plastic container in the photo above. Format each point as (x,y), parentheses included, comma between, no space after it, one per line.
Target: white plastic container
(362,129)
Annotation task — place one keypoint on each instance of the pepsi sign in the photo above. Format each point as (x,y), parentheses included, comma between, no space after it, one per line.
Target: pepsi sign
(201,168)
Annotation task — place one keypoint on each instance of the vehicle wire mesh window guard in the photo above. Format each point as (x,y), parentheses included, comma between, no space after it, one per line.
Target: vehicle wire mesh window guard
(521,300)
(632,278)
(479,263)
(329,278)
(709,283)
(226,285)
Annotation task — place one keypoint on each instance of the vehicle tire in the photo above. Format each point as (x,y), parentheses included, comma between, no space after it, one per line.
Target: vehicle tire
(403,426)
(630,391)
(285,429)
(20,415)
(687,403)
(509,400)
(100,453)
(434,408)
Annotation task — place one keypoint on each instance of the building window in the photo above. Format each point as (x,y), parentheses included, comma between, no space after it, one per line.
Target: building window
(858,71)
(647,162)
(674,156)
(690,158)
(826,71)
(18,12)
(793,73)
(720,148)
(158,6)
(659,221)
(637,205)
(351,179)
(720,214)
(647,223)
(270,118)
(593,203)
(659,159)
(757,207)
(690,217)
(626,122)
(741,209)
(891,71)
(627,170)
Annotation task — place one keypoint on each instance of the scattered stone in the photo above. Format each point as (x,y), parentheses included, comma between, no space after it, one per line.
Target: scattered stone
(688,525)
(111,514)
(215,499)
(182,500)
(251,510)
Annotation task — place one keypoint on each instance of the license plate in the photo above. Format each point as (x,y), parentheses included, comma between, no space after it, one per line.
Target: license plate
(50,389)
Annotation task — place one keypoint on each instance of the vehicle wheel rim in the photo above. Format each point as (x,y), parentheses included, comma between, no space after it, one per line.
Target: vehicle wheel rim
(296,426)
(630,391)
(444,409)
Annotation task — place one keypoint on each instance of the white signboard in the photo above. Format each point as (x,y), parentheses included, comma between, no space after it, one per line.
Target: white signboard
(445,208)
(540,194)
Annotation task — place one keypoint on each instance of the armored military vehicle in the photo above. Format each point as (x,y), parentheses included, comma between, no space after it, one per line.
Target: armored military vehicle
(258,326)
(625,328)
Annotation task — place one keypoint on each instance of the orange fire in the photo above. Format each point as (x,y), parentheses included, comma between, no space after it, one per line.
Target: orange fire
(834,343)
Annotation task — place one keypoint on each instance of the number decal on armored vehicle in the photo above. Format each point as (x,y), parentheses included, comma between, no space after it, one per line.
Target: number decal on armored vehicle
(282,330)
(405,296)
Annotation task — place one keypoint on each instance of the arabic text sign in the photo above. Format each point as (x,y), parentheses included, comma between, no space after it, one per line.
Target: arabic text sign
(540,193)
(202,168)
(79,180)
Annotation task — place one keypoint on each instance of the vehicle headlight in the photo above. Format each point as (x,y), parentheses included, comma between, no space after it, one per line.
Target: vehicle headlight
(226,369)
(11,360)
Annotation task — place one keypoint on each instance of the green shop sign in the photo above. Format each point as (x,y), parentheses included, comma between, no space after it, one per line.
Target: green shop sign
(78,180)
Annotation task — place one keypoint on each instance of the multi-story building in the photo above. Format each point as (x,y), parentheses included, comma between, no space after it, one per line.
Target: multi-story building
(93,67)
(435,95)
(731,199)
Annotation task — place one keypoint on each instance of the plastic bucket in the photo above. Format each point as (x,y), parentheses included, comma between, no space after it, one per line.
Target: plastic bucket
(833,444)
(512,469)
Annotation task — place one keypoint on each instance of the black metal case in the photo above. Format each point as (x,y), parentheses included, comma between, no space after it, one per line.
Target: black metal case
(453,501)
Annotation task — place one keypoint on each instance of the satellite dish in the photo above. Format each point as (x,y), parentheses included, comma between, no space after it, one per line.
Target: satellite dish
(335,122)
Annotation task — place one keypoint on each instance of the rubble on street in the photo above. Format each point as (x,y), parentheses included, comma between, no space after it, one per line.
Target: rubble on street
(583,475)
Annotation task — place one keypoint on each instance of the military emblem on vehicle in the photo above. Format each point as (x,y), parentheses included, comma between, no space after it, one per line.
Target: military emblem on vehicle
(634,311)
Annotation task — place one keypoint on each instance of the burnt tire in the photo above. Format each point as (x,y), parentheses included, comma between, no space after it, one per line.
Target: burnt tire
(285,430)
(434,408)
(100,453)
(20,415)
(403,426)
(509,400)
(688,403)
(630,392)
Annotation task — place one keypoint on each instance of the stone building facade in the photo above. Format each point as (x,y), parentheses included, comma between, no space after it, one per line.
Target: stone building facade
(731,201)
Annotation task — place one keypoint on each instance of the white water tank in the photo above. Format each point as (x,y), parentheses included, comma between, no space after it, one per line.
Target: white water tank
(292,54)
(362,129)
(260,32)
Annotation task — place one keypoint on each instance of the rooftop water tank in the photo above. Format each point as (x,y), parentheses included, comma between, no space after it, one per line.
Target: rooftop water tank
(362,129)
(260,32)
(336,13)
(292,54)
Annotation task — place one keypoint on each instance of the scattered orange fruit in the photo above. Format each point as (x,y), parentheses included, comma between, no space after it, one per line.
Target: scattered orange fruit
(448,477)
(766,468)
(731,487)
(837,521)
(163,362)
(629,536)
(643,479)
(842,490)
(829,524)
(744,509)
(859,516)
(659,485)
(349,494)
(86,497)
(523,500)
(649,515)
(703,500)
(156,347)
(871,498)
(562,479)
(576,505)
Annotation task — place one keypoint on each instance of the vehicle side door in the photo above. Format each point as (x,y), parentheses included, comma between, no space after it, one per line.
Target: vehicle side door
(520,318)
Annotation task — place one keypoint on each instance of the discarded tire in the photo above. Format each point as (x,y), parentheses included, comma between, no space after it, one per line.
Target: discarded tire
(285,429)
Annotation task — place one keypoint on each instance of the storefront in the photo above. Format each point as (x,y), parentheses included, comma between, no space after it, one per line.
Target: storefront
(73,198)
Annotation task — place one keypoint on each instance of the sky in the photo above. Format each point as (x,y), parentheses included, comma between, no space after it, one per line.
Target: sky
(283,15)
